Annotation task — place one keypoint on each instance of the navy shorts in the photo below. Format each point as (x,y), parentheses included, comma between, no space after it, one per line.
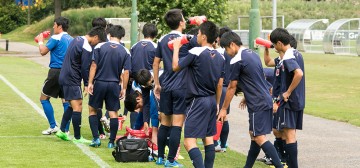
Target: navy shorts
(223,93)
(291,119)
(173,102)
(108,91)
(260,123)
(276,119)
(51,86)
(200,119)
(72,92)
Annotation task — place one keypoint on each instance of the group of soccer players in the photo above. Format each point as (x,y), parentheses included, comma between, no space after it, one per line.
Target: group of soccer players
(194,90)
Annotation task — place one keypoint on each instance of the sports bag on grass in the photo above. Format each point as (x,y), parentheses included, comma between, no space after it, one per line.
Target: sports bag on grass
(131,150)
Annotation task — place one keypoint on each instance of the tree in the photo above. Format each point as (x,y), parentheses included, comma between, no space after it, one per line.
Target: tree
(57,8)
(154,10)
(11,17)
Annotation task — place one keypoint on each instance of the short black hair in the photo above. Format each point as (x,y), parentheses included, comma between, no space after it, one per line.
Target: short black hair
(224,30)
(117,31)
(150,30)
(280,34)
(108,26)
(210,30)
(63,22)
(98,31)
(193,31)
(173,18)
(99,22)
(143,76)
(229,37)
(130,101)
(293,42)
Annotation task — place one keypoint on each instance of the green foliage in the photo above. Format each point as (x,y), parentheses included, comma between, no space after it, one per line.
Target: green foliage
(11,17)
(154,10)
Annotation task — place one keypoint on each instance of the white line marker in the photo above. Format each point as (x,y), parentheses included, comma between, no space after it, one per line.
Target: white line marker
(83,148)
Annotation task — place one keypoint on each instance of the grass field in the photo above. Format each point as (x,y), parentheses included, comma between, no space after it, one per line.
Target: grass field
(21,126)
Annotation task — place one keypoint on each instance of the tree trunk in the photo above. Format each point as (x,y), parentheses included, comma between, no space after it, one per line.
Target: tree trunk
(57,8)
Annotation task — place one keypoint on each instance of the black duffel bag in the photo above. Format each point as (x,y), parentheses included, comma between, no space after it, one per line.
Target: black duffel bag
(131,150)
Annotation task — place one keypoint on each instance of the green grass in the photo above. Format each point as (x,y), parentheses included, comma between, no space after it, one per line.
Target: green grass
(18,118)
(332,86)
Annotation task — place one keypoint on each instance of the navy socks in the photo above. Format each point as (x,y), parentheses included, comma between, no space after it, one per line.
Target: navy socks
(94,121)
(65,121)
(114,125)
(252,154)
(76,121)
(162,138)
(209,156)
(196,158)
(291,150)
(270,150)
(174,142)
(224,134)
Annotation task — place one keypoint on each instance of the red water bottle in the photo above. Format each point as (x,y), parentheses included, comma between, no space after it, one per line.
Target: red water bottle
(263,42)
(45,34)
(192,20)
(184,40)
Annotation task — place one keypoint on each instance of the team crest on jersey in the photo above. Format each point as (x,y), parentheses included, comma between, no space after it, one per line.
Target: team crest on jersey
(277,73)
(113,46)
(212,54)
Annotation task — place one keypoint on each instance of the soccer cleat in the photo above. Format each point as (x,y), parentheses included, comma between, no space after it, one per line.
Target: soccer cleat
(67,133)
(95,143)
(102,136)
(106,123)
(223,149)
(81,140)
(218,148)
(111,145)
(62,135)
(160,161)
(49,131)
(173,164)
(284,165)
(263,159)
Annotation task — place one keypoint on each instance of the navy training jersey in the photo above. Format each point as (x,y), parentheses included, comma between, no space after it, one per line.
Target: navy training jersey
(172,80)
(142,56)
(111,58)
(291,61)
(227,66)
(205,66)
(57,46)
(247,69)
(76,63)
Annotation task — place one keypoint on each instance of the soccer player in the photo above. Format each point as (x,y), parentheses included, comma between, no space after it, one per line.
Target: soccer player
(292,91)
(280,140)
(109,60)
(205,72)
(225,129)
(73,71)
(101,22)
(142,57)
(57,45)
(144,84)
(248,71)
(171,90)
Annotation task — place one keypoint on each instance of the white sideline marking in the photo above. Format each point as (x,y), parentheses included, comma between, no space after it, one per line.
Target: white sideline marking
(83,148)
(9,136)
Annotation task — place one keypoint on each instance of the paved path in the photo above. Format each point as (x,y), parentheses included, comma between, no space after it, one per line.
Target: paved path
(322,143)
